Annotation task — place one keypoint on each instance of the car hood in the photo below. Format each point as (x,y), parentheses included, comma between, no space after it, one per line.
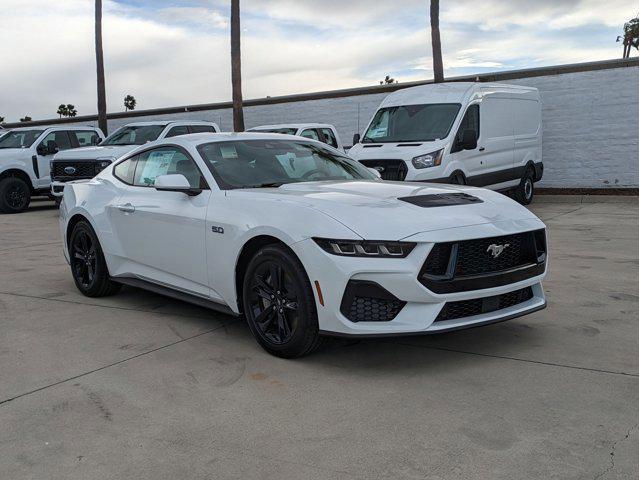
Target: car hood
(374,211)
(93,153)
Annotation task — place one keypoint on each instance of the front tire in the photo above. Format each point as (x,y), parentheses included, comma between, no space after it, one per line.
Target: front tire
(457,178)
(15,195)
(88,267)
(525,191)
(279,304)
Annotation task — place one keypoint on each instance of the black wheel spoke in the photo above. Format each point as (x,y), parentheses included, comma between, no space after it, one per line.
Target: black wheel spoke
(263,286)
(276,277)
(265,318)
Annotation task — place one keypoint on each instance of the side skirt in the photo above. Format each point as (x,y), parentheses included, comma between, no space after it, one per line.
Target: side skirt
(169,292)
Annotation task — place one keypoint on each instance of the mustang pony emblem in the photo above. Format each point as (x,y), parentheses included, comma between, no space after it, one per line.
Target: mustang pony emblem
(496,250)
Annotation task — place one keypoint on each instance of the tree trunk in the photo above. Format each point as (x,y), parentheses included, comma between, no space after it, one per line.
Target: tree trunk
(99,60)
(236,67)
(438,65)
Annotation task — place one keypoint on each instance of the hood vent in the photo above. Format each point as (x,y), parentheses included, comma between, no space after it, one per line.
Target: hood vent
(441,200)
(372,146)
(409,144)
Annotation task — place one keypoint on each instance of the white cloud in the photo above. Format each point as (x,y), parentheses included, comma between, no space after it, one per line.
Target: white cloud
(180,54)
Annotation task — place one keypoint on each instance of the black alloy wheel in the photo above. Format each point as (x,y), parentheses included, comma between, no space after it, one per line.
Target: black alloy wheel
(279,304)
(525,191)
(15,195)
(88,266)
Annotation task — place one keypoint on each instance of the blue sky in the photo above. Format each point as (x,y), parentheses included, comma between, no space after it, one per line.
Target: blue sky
(168,53)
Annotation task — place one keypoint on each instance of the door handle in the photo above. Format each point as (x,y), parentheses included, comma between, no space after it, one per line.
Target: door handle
(126,208)
(481,149)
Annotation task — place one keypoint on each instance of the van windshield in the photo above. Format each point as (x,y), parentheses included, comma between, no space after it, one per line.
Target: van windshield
(19,138)
(412,123)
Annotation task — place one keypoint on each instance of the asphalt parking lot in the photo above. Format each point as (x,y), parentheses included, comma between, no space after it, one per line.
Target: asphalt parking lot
(139,386)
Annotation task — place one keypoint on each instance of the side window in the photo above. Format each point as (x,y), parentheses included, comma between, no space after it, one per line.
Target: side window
(125,171)
(469,122)
(330,137)
(179,130)
(85,138)
(166,161)
(202,128)
(310,133)
(61,139)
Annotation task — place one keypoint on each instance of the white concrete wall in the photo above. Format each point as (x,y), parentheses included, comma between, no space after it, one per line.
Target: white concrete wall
(589,118)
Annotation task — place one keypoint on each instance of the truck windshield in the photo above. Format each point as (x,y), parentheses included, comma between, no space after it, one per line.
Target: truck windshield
(134,135)
(412,123)
(19,138)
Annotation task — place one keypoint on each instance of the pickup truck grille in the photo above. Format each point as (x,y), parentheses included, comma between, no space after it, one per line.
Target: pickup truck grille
(74,170)
(389,169)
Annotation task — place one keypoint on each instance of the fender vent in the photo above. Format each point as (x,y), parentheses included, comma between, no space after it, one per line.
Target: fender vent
(441,200)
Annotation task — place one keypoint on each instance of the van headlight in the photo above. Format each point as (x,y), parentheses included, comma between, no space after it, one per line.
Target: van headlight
(365,248)
(433,159)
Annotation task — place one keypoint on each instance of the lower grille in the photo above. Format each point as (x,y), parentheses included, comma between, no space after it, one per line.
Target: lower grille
(365,301)
(388,169)
(73,170)
(477,306)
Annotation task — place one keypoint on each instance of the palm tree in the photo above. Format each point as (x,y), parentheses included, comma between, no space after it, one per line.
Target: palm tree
(129,103)
(71,111)
(236,67)
(62,110)
(99,60)
(438,64)
(630,36)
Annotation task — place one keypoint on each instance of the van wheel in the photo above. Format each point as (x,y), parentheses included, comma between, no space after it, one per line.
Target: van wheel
(15,195)
(279,304)
(457,178)
(525,191)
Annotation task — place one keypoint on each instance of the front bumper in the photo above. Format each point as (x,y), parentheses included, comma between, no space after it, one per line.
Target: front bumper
(57,188)
(399,277)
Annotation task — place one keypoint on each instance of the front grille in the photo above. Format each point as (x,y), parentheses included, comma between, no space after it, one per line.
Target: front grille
(484,262)
(388,169)
(366,301)
(83,170)
(477,306)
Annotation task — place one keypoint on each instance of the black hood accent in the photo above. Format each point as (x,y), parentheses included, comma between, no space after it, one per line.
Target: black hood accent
(441,200)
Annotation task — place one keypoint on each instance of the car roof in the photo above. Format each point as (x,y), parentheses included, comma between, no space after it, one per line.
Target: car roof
(195,139)
(169,122)
(54,127)
(291,125)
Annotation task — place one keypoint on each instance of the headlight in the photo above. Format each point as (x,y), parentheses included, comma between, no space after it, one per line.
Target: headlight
(365,248)
(433,159)
(102,164)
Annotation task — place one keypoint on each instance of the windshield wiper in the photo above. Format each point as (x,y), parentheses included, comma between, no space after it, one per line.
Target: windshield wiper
(266,185)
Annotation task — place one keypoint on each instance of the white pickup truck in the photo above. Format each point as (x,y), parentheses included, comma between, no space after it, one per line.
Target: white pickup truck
(25,154)
(85,163)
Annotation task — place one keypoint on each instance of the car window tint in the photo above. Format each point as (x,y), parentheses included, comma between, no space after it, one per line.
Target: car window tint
(86,138)
(179,130)
(125,171)
(329,136)
(166,161)
(60,138)
(310,133)
(202,128)
(469,122)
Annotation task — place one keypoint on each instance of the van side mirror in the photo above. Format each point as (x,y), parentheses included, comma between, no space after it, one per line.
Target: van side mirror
(356,139)
(469,140)
(175,182)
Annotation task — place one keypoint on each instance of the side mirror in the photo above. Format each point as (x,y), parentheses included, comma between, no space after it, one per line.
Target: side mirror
(375,171)
(95,141)
(469,140)
(175,183)
(42,150)
(356,138)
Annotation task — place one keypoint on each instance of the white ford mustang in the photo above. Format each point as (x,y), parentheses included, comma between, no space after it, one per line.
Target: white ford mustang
(302,240)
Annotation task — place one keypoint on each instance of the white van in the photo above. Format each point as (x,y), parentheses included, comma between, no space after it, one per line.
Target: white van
(322,132)
(478,134)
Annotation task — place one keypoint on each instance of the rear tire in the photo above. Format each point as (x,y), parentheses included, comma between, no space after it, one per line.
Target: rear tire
(15,195)
(525,191)
(457,178)
(279,304)
(88,267)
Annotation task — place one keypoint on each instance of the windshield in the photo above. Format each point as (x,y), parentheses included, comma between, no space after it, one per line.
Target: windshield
(271,163)
(19,138)
(285,131)
(412,123)
(134,135)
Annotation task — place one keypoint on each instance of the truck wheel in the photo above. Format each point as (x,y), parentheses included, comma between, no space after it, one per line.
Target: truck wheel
(457,178)
(15,195)
(525,191)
